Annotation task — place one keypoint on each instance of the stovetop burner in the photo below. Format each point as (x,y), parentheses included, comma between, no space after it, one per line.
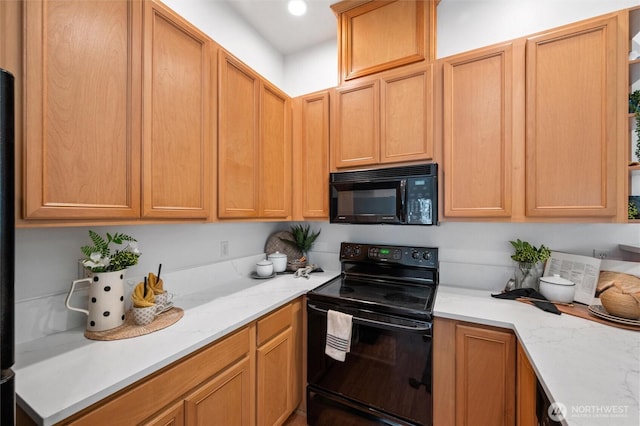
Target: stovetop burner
(403,298)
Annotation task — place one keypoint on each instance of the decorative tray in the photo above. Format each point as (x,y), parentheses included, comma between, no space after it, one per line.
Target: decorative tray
(131,329)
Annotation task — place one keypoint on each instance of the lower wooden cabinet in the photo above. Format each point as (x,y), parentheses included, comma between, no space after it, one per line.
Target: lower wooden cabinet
(526,385)
(172,416)
(480,377)
(273,368)
(251,377)
(224,400)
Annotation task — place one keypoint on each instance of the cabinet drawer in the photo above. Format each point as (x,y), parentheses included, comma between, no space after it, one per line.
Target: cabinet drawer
(139,401)
(274,323)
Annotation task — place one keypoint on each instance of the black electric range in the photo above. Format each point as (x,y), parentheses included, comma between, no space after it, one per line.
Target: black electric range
(385,378)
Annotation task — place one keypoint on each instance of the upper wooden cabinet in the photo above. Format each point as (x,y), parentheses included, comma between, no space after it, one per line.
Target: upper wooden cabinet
(178,118)
(478,115)
(311,156)
(101,106)
(275,152)
(529,128)
(374,36)
(384,120)
(571,116)
(82,109)
(254,144)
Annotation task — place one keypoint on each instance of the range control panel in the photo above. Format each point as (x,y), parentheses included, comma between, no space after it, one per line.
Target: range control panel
(402,255)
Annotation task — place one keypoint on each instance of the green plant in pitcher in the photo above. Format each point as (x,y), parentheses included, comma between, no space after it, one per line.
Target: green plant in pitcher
(100,258)
(530,260)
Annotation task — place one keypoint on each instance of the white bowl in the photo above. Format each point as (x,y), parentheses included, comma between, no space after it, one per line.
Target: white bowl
(557,289)
(279,261)
(264,268)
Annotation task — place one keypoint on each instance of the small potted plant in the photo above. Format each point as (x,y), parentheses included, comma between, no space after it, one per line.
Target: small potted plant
(530,261)
(303,240)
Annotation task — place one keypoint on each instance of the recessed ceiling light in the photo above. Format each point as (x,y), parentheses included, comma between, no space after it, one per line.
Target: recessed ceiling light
(297,7)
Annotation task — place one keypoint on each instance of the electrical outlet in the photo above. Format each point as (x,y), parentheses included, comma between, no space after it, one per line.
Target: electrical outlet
(600,253)
(224,248)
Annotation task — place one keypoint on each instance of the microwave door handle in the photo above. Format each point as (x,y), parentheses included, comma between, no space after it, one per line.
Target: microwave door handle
(403,199)
(364,321)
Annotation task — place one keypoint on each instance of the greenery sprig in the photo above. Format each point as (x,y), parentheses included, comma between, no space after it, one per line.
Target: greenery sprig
(634,108)
(99,257)
(526,253)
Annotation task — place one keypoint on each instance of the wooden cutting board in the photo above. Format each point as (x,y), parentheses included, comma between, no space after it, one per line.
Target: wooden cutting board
(582,311)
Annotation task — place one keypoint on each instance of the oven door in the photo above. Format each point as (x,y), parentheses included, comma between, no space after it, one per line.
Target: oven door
(385,378)
(368,202)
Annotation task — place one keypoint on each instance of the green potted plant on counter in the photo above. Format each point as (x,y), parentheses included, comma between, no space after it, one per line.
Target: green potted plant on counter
(303,240)
(530,263)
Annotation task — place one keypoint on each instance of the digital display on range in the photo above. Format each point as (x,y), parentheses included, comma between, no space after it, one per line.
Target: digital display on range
(384,251)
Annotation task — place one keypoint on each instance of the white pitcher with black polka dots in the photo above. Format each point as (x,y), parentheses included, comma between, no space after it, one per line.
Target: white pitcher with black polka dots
(106,300)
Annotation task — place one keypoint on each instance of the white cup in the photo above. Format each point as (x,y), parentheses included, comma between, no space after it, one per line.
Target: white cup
(163,299)
(144,316)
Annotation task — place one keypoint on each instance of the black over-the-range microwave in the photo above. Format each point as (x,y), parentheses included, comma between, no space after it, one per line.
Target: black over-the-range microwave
(406,195)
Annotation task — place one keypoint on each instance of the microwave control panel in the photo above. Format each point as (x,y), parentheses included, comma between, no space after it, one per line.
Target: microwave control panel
(420,201)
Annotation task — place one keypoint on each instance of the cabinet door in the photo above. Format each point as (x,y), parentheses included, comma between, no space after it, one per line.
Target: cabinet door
(238,161)
(380,35)
(274,379)
(526,391)
(172,416)
(355,139)
(177,124)
(224,400)
(571,121)
(477,132)
(485,362)
(275,153)
(311,156)
(82,109)
(406,117)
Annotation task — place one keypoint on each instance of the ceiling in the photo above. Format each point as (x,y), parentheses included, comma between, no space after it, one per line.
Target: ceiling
(285,32)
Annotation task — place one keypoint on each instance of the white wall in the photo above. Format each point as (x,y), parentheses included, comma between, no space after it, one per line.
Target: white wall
(312,70)
(46,259)
(220,22)
(467,24)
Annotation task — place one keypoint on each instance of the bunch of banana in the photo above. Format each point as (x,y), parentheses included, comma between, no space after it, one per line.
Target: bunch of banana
(155,284)
(139,299)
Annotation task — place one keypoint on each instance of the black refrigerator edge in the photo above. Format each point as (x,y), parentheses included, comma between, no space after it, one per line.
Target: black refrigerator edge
(7,248)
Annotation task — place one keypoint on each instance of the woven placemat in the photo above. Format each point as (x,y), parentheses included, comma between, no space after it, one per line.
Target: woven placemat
(131,329)
(274,243)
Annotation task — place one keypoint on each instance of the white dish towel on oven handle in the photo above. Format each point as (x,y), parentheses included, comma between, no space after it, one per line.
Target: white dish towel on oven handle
(338,335)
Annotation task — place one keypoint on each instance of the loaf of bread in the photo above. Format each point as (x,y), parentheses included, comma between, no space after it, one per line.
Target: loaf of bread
(620,294)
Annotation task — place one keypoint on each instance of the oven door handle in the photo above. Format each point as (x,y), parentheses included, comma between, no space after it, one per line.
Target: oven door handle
(365,321)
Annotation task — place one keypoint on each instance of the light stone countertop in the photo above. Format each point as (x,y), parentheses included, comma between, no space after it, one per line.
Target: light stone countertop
(593,369)
(61,374)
